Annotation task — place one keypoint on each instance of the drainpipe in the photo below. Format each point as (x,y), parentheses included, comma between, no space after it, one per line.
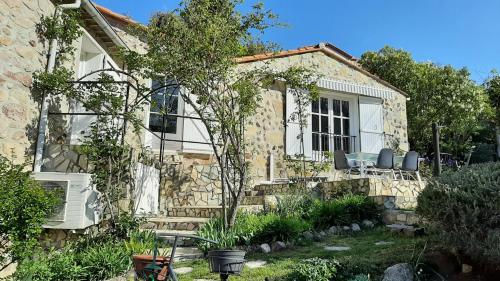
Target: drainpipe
(51,62)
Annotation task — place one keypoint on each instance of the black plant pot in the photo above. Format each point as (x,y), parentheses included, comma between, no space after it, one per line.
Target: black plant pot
(226,262)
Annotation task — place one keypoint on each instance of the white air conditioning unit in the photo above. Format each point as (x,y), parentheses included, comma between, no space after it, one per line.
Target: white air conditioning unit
(80,201)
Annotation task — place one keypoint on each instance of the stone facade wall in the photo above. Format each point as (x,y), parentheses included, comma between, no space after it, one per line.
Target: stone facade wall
(190,180)
(21,54)
(266,130)
(393,194)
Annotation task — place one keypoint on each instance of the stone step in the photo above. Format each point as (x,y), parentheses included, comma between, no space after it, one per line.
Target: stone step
(253,200)
(400,217)
(178,223)
(206,211)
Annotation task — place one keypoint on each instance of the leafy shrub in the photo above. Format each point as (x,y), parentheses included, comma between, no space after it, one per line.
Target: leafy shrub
(342,211)
(464,209)
(315,269)
(99,261)
(251,228)
(281,229)
(125,224)
(295,204)
(54,265)
(24,207)
(104,261)
(142,242)
(214,230)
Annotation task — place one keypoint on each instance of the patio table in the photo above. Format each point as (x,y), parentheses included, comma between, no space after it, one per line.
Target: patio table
(364,160)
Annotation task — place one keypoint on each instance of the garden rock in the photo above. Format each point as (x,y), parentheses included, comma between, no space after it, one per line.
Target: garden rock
(265,248)
(383,243)
(337,248)
(317,236)
(367,224)
(355,227)
(346,228)
(333,230)
(399,272)
(308,235)
(183,270)
(255,264)
(278,246)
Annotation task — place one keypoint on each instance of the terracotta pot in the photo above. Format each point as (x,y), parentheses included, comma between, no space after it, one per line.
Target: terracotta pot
(141,261)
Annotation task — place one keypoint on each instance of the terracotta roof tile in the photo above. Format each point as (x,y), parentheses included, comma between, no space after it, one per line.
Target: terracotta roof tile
(116,16)
(327,48)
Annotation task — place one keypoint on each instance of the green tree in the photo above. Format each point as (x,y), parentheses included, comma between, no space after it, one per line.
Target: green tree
(437,93)
(195,47)
(492,86)
(24,207)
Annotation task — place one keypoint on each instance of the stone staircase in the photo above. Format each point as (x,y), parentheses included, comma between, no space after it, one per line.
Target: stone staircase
(192,218)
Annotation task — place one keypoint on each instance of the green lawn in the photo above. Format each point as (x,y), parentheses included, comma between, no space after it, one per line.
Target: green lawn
(364,256)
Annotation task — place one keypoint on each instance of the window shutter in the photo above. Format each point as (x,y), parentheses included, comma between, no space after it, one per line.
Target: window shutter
(194,131)
(293,137)
(80,124)
(371,122)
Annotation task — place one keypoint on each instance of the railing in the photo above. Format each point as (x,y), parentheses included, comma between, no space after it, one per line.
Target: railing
(323,142)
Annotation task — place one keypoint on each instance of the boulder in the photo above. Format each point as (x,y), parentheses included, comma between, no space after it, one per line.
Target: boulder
(367,224)
(308,235)
(265,248)
(399,272)
(333,230)
(278,246)
(355,227)
(346,228)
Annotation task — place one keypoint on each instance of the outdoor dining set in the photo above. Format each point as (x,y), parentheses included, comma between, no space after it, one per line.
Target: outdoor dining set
(384,164)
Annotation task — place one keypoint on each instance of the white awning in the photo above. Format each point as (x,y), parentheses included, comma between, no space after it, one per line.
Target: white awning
(349,87)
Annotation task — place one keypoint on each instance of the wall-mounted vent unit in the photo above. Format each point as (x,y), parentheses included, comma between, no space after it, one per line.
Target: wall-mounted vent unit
(79,206)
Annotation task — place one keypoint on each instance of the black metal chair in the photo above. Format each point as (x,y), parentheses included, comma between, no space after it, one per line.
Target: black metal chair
(410,165)
(342,164)
(385,163)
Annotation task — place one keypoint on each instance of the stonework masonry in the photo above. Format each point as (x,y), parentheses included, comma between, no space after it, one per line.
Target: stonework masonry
(189,179)
(21,54)
(266,129)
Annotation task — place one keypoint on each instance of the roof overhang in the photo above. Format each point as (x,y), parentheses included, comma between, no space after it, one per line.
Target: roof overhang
(326,48)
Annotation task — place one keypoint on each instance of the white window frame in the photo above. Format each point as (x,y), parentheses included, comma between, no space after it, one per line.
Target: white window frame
(74,137)
(353,118)
(153,139)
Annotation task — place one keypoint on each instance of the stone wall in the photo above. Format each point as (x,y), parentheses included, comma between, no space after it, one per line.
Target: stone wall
(266,129)
(21,54)
(396,194)
(189,180)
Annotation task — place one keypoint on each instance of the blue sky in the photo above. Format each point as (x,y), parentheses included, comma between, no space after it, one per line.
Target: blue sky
(457,32)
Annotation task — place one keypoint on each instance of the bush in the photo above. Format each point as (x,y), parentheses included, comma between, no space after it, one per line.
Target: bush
(54,265)
(251,228)
(315,269)
(342,211)
(24,207)
(214,230)
(463,207)
(100,261)
(104,261)
(281,229)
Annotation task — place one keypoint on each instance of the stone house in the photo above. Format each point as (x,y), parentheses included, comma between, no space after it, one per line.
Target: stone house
(357,110)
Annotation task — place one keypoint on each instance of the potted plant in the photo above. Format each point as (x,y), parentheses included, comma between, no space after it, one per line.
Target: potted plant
(223,257)
(226,262)
(142,245)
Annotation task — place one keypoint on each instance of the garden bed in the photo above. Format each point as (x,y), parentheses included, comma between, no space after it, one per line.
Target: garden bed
(363,257)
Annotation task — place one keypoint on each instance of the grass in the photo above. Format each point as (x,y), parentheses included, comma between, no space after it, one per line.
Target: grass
(364,257)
